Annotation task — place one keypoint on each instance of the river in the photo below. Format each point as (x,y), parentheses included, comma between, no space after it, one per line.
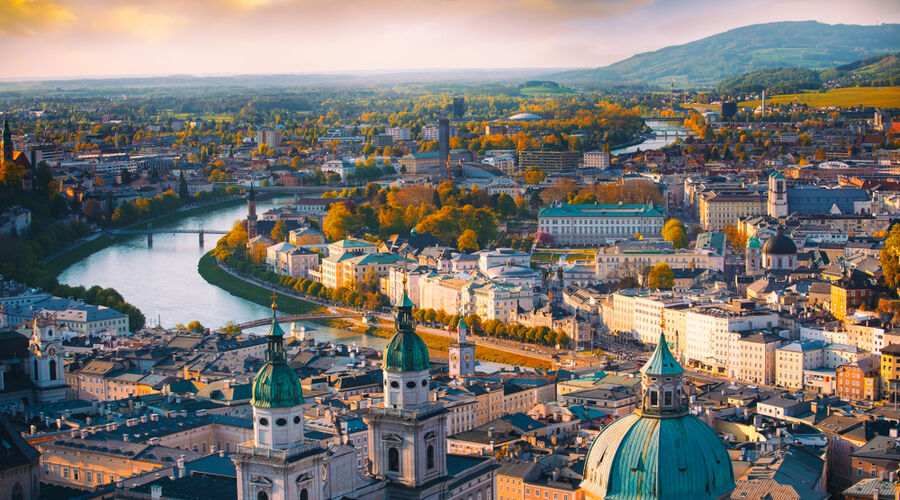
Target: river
(164,283)
(656,142)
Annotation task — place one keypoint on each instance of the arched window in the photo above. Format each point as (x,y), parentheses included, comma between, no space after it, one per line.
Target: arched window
(262,496)
(17,493)
(304,495)
(430,456)
(393,459)
(52,369)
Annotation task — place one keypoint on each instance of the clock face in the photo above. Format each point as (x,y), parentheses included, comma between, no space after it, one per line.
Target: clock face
(468,357)
(51,352)
(454,358)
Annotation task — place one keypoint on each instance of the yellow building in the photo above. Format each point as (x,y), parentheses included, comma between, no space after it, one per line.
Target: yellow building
(718,208)
(890,372)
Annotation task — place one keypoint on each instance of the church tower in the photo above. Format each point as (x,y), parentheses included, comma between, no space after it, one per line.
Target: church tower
(47,360)
(279,463)
(407,435)
(777,204)
(251,213)
(753,256)
(7,142)
(462,355)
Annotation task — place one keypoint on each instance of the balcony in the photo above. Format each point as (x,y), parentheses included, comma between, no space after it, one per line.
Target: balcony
(297,449)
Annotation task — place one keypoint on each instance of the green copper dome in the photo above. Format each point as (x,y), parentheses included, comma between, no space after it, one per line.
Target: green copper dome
(640,458)
(276,385)
(406,353)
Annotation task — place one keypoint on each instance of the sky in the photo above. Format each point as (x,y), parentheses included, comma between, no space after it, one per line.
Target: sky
(96,38)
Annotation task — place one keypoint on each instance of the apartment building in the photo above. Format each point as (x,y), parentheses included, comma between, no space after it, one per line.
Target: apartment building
(720,207)
(596,224)
(713,334)
(757,358)
(792,360)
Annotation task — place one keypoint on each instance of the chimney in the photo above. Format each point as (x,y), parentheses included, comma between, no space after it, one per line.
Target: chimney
(33,430)
(125,437)
(221,453)
(154,417)
(144,419)
(491,433)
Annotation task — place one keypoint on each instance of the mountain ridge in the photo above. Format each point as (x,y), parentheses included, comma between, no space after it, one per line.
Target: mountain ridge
(706,61)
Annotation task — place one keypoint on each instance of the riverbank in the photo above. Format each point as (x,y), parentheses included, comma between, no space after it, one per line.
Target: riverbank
(210,270)
(93,244)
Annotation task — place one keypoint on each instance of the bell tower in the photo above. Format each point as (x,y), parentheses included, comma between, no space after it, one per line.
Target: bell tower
(777,204)
(251,212)
(47,359)
(407,435)
(279,463)
(462,354)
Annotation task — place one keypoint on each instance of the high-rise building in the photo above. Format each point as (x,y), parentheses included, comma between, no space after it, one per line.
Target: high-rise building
(777,203)
(444,140)
(729,109)
(459,107)
(269,137)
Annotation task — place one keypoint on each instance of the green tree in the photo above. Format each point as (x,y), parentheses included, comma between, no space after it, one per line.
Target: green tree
(231,328)
(183,191)
(661,276)
(506,206)
(195,326)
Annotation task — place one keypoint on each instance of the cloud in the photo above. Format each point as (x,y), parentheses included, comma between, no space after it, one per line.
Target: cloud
(27,17)
(130,20)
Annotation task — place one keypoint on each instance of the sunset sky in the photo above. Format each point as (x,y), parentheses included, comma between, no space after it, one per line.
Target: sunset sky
(70,38)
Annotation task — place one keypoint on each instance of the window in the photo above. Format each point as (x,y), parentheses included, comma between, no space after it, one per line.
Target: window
(281,422)
(667,398)
(394,460)
(654,398)
(430,456)
(304,495)
(296,419)
(395,384)
(264,421)
(262,496)
(410,385)
(17,492)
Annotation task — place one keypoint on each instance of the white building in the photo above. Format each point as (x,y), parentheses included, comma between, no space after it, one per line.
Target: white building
(399,133)
(712,334)
(596,224)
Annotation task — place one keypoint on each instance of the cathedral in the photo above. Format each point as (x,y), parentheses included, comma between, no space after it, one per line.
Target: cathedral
(406,437)
(19,158)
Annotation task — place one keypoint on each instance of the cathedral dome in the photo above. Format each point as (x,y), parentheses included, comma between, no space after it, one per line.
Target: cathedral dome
(276,386)
(406,353)
(638,457)
(780,244)
(660,451)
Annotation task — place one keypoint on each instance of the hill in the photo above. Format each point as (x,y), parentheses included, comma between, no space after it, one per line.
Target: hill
(883,70)
(705,62)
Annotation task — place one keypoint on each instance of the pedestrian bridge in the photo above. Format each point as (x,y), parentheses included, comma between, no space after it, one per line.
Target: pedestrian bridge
(306,317)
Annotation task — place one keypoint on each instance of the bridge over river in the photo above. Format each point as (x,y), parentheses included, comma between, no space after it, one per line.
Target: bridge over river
(307,317)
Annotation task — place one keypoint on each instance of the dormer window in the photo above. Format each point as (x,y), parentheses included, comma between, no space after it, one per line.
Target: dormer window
(654,397)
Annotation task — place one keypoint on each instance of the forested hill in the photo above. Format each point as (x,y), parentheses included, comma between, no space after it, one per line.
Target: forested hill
(706,62)
(875,71)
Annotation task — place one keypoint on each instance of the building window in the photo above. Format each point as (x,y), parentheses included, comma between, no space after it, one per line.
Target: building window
(393,460)
(430,456)
(304,494)
(262,496)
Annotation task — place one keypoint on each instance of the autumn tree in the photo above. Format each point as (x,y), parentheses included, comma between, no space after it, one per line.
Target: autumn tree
(341,221)
(661,276)
(506,206)
(11,175)
(468,241)
(279,232)
(735,237)
(674,231)
(890,259)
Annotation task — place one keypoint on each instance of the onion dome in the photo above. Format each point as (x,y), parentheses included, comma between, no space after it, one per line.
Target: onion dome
(661,451)
(753,242)
(780,244)
(276,385)
(406,352)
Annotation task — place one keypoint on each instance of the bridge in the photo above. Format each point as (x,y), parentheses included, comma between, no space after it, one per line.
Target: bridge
(672,133)
(150,232)
(289,318)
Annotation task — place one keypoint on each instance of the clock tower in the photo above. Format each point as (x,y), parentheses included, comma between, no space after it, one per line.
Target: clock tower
(462,355)
(47,360)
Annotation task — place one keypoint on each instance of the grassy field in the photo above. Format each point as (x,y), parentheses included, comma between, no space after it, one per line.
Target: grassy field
(888,97)
(571,256)
(215,275)
(219,117)
(541,91)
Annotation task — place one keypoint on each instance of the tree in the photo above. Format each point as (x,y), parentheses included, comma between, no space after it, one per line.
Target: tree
(183,191)
(341,221)
(11,175)
(231,328)
(43,176)
(506,206)
(195,326)
(820,154)
(890,259)
(92,209)
(468,241)
(675,232)
(279,232)
(661,276)
(735,237)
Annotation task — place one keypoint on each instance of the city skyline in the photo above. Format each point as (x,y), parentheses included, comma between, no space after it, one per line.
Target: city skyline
(75,38)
